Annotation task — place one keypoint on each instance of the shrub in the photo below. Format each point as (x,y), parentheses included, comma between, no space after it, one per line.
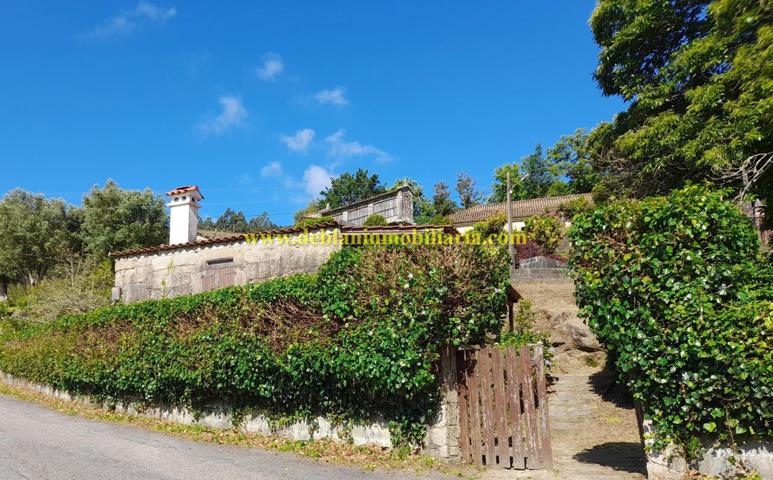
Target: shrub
(546,231)
(677,291)
(493,225)
(355,341)
(375,220)
(574,207)
(78,291)
(438,220)
(308,222)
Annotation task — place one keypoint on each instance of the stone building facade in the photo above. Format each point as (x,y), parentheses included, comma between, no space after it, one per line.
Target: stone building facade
(194,267)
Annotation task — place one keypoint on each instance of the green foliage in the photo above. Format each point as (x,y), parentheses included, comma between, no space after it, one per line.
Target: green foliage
(347,189)
(441,200)
(676,289)
(309,222)
(34,233)
(437,220)
(116,219)
(575,207)
(565,169)
(236,221)
(546,231)
(357,340)
(375,220)
(570,158)
(82,287)
(523,332)
(468,193)
(698,81)
(493,225)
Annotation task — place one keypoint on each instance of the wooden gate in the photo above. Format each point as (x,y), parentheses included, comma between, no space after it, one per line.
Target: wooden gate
(503,408)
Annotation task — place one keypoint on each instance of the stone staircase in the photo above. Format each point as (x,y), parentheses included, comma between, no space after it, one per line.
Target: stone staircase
(593,425)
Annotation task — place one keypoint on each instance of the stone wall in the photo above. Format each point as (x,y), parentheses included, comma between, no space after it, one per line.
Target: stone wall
(442,439)
(716,461)
(199,268)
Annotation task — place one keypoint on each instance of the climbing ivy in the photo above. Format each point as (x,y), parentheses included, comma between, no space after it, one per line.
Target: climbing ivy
(358,340)
(677,290)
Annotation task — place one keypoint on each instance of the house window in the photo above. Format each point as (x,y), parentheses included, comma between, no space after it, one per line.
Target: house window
(222,262)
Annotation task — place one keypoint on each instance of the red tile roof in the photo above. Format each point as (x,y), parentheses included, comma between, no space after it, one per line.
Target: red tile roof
(397,229)
(183,189)
(212,237)
(521,209)
(235,237)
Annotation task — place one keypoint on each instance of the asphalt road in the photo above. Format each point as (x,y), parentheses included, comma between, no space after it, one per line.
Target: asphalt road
(41,444)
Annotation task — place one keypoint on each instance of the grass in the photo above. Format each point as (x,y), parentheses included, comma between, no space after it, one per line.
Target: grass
(365,456)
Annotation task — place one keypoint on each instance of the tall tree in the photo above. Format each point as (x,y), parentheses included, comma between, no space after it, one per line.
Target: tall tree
(570,158)
(537,172)
(231,221)
(34,233)
(347,188)
(441,200)
(117,219)
(468,194)
(499,188)
(260,223)
(698,79)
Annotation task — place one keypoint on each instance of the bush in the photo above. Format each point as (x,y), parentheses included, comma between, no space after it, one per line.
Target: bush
(309,222)
(676,289)
(575,207)
(375,220)
(357,340)
(78,291)
(493,225)
(546,231)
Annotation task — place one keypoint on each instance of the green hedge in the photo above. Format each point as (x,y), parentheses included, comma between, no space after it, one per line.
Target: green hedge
(358,339)
(677,290)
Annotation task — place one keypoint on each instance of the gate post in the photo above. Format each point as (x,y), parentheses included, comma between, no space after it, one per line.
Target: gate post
(442,440)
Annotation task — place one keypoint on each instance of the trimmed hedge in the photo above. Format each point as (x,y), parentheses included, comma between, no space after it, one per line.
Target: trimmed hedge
(359,339)
(677,290)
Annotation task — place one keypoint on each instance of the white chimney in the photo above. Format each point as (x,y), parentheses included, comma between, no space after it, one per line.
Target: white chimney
(183,214)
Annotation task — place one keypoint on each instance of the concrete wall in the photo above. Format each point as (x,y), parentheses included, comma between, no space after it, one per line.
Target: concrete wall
(195,269)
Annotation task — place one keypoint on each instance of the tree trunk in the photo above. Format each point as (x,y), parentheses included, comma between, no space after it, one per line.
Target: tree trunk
(3,291)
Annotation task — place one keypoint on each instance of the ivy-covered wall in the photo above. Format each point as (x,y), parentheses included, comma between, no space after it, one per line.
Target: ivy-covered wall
(357,340)
(677,289)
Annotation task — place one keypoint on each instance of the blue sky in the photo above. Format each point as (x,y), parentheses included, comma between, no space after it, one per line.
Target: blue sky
(259,103)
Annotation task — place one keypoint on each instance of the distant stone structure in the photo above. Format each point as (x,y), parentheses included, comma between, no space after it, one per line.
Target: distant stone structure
(463,220)
(396,206)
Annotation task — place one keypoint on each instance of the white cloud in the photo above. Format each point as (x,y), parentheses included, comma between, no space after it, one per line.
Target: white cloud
(342,149)
(300,141)
(272,67)
(127,21)
(316,179)
(232,114)
(273,169)
(336,96)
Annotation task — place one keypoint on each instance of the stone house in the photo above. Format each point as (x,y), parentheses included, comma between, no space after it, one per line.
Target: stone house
(197,261)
